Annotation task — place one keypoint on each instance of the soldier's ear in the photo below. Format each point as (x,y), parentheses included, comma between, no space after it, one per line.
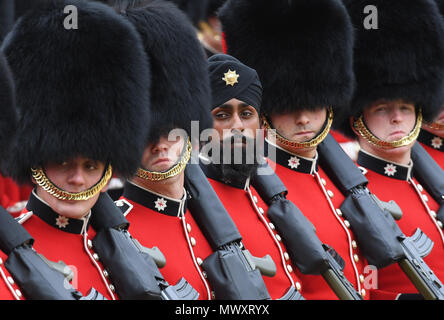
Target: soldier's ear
(352,121)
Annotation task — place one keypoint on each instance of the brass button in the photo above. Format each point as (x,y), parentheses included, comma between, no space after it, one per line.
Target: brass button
(289,268)
(354,244)
(278,237)
(433,213)
(330,193)
(286,256)
(271,226)
(347,224)
(90,244)
(339,212)
(111,287)
(254,199)
(193,241)
(10,280)
(424,196)
(18,293)
(363,293)
(298,286)
(420,188)
(356,257)
(361,278)
(96,256)
(105,273)
(323,181)
(199,261)
(261,211)
(188,227)
(439,223)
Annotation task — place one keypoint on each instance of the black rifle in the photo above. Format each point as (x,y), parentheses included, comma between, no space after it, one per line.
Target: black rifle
(131,267)
(381,240)
(299,236)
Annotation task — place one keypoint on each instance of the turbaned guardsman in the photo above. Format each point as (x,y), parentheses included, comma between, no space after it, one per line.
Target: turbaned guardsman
(83,113)
(233,155)
(399,68)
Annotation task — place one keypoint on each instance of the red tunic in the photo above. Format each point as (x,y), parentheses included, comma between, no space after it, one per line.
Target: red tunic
(8,288)
(59,238)
(156,220)
(311,190)
(258,234)
(390,181)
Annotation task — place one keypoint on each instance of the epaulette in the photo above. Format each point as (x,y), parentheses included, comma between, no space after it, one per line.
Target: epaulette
(124,206)
(23,217)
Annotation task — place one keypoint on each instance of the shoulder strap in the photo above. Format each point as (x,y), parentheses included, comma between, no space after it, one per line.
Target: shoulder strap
(339,167)
(428,172)
(267,183)
(208,210)
(105,214)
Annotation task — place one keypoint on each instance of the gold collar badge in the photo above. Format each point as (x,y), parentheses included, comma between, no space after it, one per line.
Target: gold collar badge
(230,78)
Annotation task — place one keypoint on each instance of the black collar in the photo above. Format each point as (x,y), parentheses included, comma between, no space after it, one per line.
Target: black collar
(431,140)
(44,212)
(155,201)
(289,160)
(386,168)
(213,172)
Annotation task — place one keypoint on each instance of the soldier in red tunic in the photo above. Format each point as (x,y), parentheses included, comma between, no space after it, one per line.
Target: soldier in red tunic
(303,57)
(82,114)
(400,72)
(155,200)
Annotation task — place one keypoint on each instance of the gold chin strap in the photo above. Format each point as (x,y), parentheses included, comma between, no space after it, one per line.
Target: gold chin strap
(42,180)
(300,145)
(364,132)
(434,125)
(174,171)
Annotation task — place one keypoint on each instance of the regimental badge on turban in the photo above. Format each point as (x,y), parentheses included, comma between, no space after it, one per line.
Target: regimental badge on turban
(230,78)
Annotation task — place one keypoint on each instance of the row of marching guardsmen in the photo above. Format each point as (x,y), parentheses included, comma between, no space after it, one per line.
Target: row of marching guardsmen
(228,214)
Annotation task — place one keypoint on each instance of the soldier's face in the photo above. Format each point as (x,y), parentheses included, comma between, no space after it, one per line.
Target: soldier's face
(163,154)
(390,120)
(76,175)
(234,117)
(300,126)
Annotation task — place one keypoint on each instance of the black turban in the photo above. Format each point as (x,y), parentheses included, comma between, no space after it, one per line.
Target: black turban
(230,79)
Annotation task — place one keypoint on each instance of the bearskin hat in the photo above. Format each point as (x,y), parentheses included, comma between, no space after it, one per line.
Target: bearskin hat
(440,4)
(8,112)
(401,58)
(301,49)
(180,91)
(80,92)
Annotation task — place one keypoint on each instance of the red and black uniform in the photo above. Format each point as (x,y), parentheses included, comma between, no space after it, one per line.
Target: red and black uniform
(312,191)
(157,220)
(259,236)
(392,181)
(434,145)
(59,238)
